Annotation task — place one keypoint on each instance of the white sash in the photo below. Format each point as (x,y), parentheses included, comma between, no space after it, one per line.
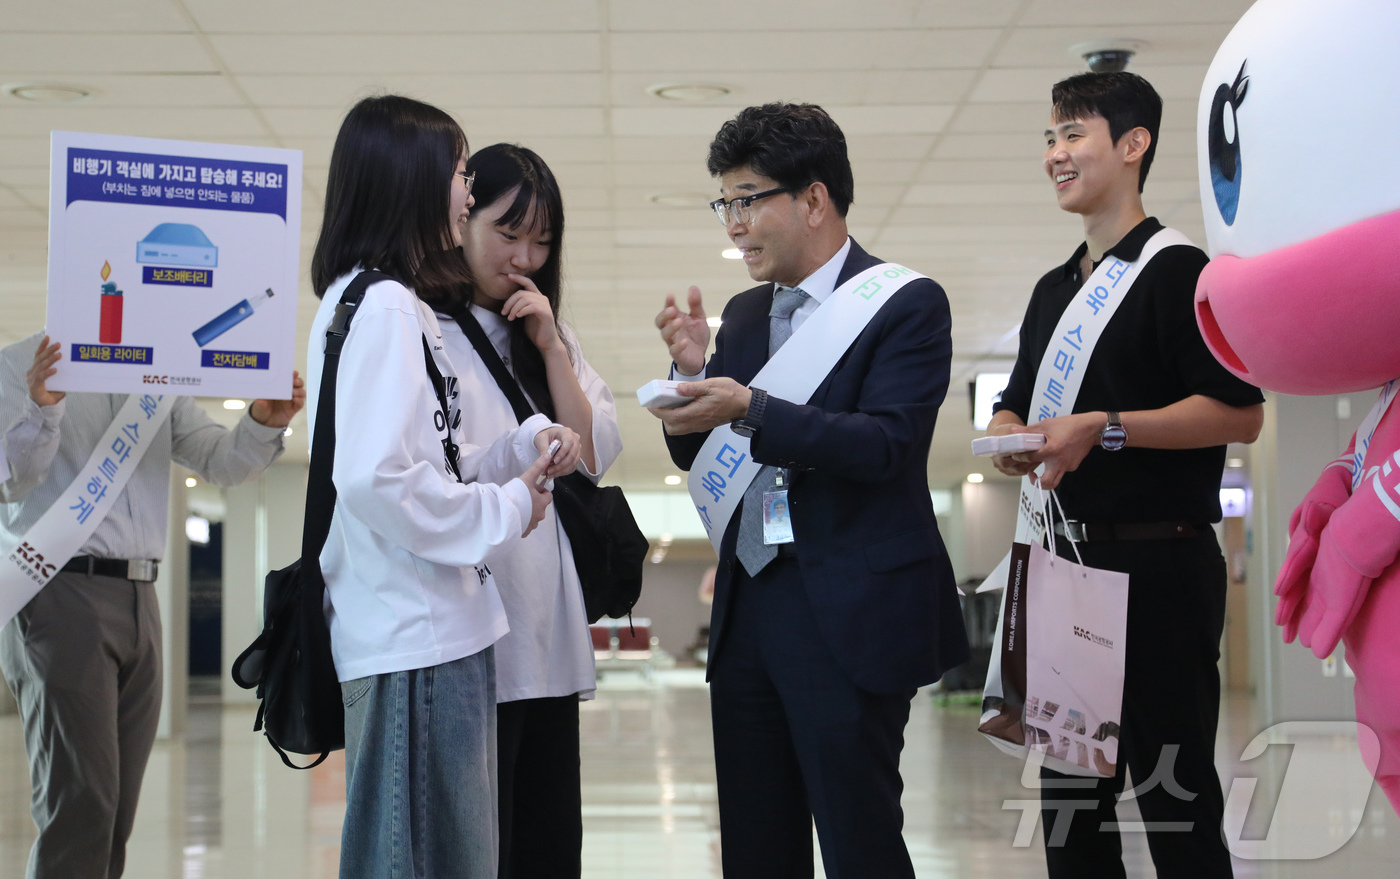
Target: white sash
(1061,372)
(66,526)
(724,468)
(1367,430)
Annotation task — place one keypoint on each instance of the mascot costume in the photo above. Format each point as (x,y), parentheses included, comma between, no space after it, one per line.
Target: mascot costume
(1300,185)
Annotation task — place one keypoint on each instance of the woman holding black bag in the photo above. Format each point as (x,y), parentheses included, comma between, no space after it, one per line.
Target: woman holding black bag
(412,607)
(544,665)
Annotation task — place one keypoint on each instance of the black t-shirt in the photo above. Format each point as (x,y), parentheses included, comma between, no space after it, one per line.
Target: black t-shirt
(1149,356)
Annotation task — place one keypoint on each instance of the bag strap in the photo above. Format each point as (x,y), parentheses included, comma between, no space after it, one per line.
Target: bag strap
(504,380)
(440,388)
(320,489)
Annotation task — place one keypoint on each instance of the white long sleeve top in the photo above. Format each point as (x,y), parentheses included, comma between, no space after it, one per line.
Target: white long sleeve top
(548,651)
(407,584)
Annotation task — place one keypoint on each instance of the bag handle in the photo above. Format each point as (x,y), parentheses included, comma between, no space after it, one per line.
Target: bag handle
(1050,522)
(494,365)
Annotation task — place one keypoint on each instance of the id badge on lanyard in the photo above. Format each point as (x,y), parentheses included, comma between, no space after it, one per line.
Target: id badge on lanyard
(777,522)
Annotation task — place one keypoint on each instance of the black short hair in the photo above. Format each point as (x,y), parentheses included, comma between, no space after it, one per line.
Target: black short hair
(1125,100)
(387,198)
(794,144)
(500,169)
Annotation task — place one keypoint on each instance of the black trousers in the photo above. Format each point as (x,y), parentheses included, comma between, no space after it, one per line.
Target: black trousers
(796,740)
(1171,706)
(541,809)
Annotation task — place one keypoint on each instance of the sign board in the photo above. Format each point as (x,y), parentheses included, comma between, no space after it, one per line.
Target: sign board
(173,266)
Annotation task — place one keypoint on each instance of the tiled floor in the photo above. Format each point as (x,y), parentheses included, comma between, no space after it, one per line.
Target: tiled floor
(220,804)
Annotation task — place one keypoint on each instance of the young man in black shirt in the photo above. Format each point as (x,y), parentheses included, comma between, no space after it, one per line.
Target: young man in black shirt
(1137,463)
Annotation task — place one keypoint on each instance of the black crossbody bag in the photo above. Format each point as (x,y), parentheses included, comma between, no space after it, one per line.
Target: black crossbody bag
(300,708)
(609,549)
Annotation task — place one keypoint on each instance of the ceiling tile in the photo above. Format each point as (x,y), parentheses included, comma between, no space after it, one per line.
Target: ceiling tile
(368,17)
(282,51)
(77,55)
(821,50)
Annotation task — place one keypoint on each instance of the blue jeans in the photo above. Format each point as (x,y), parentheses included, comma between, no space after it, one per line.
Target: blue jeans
(420,773)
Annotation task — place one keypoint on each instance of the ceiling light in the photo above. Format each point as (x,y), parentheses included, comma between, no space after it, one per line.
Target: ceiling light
(287,432)
(49,92)
(1235,463)
(732,253)
(673,480)
(683,200)
(667,539)
(235,404)
(975,478)
(689,93)
(191,482)
(714,321)
(197,530)
(1107,56)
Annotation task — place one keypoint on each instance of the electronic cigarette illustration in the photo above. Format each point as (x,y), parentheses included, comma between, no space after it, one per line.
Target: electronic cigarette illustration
(229,319)
(109,329)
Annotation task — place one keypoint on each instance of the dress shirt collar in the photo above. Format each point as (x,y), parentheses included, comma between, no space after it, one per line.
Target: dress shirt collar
(822,283)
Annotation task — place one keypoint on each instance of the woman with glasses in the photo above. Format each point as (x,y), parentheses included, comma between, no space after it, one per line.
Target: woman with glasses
(544,665)
(412,608)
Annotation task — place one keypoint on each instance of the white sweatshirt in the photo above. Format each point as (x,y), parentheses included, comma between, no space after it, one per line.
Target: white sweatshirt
(406,582)
(548,651)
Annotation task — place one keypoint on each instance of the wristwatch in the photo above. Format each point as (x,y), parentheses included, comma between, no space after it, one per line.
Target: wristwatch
(753,419)
(1113,436)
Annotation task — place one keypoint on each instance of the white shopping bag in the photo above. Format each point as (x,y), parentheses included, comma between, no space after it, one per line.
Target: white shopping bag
(1056,678)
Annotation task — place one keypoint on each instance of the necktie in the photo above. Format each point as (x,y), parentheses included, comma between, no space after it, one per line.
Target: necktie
(753,553)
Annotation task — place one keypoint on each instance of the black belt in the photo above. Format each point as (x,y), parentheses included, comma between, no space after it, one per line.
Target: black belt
(1097,532)
(125,569)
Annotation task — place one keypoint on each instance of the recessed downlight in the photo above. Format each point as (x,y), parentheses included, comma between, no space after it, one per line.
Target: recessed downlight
(732,253)
(689,92)
(49,92)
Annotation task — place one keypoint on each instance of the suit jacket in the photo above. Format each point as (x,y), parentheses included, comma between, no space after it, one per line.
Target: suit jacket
(872,561)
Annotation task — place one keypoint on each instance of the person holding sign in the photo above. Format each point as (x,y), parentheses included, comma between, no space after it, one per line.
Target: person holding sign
(412,606)
(1136,414)
(91,474)
(815,413)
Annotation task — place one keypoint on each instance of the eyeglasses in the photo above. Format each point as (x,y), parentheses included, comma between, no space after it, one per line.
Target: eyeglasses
(469,178)
(740,210)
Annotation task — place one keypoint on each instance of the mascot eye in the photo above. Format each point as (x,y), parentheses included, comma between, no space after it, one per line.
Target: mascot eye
(1223,146)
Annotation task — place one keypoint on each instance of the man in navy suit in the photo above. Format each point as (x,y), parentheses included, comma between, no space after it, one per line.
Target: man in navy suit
(816,645)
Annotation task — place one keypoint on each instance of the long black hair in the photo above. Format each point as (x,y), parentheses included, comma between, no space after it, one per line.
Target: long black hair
(501,169)
(387,198)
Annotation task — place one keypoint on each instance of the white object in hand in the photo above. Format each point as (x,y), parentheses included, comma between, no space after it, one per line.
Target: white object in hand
(661,394)
(1007,444)
(553,450)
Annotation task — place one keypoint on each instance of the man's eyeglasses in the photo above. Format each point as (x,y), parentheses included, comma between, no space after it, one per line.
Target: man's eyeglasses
(469,178)
(740,209)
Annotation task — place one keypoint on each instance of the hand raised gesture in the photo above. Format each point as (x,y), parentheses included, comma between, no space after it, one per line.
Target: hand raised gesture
(686,334)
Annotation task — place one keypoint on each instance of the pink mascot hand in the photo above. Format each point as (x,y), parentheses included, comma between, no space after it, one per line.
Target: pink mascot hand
(1335,593)
(1331,491)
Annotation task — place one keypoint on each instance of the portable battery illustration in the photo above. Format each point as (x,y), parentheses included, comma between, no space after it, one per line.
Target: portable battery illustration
(177,244)
(230,319)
